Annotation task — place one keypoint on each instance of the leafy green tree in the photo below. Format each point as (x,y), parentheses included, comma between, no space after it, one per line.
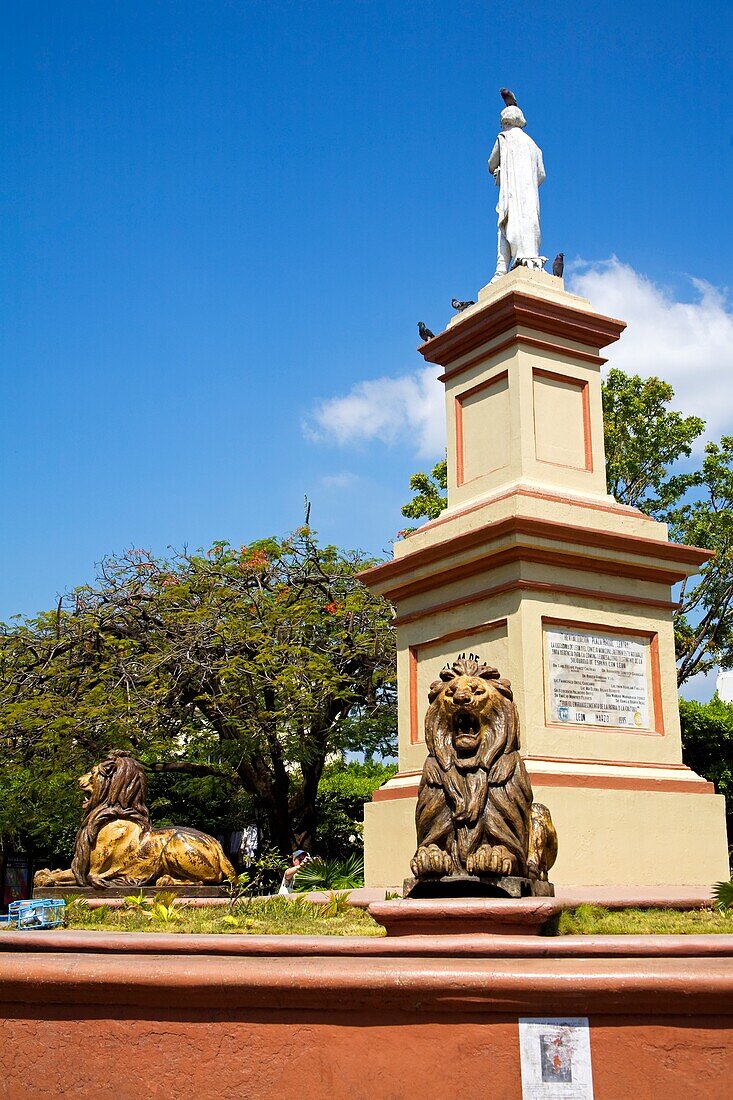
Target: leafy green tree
(343,790)
(210,803)
(704,624)
(252,665)
(643,439)
(648,448)
(40,802)
(707,744)
(430,493)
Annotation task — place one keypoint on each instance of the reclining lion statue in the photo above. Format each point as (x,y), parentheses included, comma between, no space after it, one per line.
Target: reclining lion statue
(117,846)
(474,813)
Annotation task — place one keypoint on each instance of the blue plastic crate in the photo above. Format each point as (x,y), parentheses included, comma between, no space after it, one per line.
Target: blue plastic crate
(37,913)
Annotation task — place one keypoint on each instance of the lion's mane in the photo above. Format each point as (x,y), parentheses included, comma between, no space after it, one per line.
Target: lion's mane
(119,791)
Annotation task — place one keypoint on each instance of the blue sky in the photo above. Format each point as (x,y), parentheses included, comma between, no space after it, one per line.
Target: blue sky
(220,221)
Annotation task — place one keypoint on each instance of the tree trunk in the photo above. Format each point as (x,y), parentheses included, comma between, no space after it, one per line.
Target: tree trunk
(303,809)
(278,822)
(305,831)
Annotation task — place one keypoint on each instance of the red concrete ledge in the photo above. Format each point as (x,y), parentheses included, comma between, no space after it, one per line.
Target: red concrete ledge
(652,897)
(498,916)
(125,1015)
(613,986)
(610,897)
(451,946)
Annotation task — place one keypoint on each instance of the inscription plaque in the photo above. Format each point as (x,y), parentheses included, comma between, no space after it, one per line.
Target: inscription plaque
(596,679)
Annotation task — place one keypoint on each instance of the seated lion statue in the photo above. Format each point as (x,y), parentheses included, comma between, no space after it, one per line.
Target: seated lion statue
(474,807)
(116,845)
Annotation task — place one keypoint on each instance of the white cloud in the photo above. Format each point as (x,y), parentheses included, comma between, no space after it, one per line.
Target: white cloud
(689,344)
(343,480)
(408,409)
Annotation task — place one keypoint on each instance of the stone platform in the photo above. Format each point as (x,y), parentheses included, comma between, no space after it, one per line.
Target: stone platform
(179,1010)
(465,916)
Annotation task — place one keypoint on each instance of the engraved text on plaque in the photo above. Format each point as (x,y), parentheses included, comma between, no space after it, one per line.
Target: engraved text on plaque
(596,679)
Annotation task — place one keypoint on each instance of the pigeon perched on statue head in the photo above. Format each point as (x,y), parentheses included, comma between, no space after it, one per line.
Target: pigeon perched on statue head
(425,333)
(508,97)
(460,306)
(558,265)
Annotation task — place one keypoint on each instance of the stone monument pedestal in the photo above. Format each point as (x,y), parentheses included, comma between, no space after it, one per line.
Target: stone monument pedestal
(569,593)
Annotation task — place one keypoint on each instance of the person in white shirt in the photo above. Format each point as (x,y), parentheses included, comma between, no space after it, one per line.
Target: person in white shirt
(287,885)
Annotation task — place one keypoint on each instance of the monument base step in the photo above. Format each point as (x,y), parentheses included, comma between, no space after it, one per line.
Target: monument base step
(487,885)
(465,916)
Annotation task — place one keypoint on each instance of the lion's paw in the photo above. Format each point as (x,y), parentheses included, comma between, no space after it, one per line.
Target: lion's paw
(502,861)
(498,860)
(478,861)
(430,860)
(535,871)
(44,877)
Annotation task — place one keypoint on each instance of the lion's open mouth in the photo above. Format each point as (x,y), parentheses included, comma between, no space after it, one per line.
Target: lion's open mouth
(466,731)
(466,724)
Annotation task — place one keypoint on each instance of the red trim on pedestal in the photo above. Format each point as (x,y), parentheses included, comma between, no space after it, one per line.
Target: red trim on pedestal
(536,494)
(582,385)
(524,341)
(460,448)
(577,562)
(532,527)
(414,658)
(412,689)
(521,585)
(586,780)
(517,309)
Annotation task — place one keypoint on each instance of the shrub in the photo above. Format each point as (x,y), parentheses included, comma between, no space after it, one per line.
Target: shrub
(342,792)
(330,874)
(707,745)
(723,896)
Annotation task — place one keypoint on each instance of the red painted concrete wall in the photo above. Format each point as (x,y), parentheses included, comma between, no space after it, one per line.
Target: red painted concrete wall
(316,1055)
(131,1025)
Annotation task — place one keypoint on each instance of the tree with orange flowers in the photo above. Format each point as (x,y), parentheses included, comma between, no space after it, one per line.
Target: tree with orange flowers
(252,666)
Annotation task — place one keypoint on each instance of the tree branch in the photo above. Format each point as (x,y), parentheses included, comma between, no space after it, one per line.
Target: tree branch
(189,768)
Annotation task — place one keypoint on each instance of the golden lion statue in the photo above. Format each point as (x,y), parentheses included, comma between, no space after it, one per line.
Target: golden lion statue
(474,807)
(116,845)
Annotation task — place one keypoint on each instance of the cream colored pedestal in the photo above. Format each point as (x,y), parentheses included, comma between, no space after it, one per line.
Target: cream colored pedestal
(531,552)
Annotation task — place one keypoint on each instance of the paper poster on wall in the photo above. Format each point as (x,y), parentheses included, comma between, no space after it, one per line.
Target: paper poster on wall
(596,679)
(555,1058)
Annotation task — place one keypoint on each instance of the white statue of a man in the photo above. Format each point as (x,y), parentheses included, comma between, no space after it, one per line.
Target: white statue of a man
(516,165)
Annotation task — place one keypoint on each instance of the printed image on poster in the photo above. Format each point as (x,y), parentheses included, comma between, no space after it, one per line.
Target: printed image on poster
(555,1059)
(597,679)
(556,1063)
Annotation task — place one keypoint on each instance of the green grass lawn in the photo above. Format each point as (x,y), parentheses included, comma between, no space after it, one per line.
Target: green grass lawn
(593,920)
(299,917)
(258,917)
